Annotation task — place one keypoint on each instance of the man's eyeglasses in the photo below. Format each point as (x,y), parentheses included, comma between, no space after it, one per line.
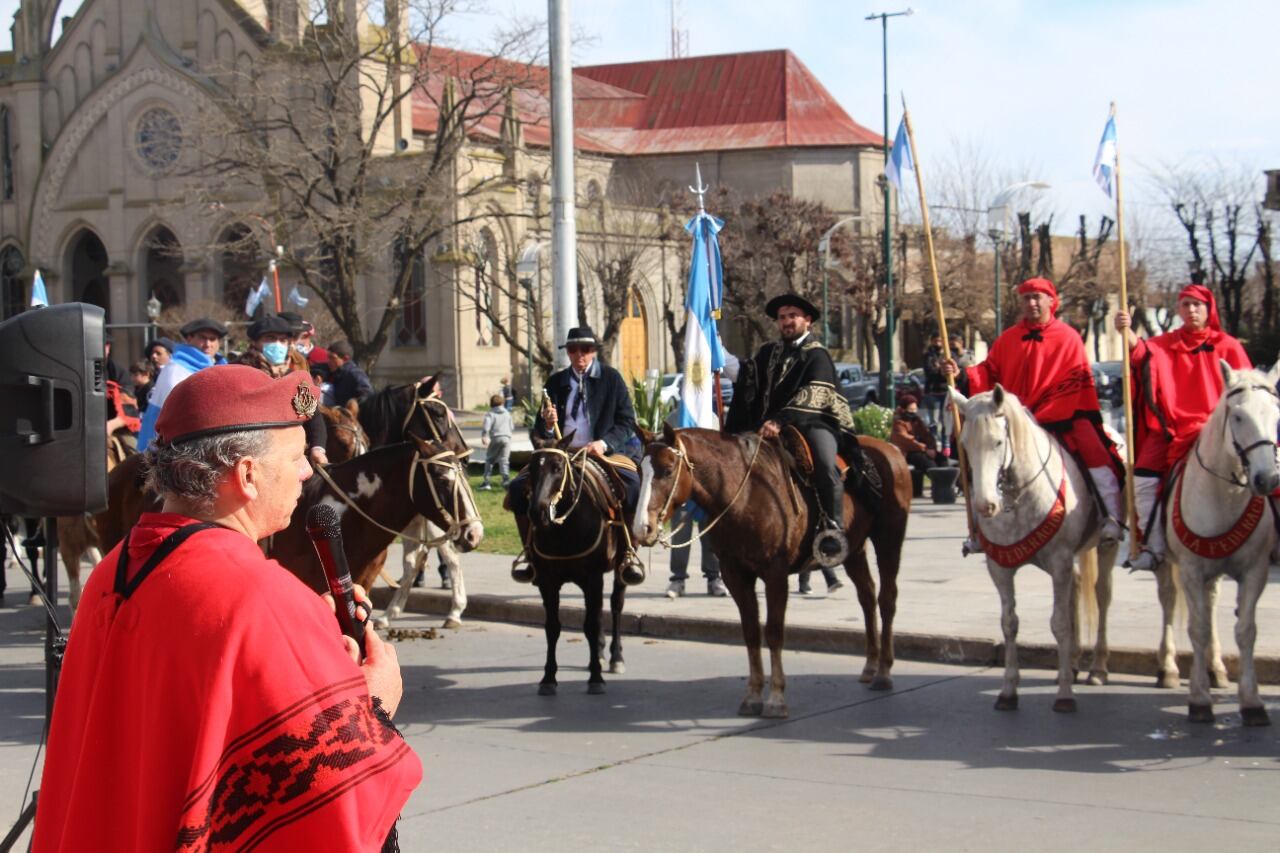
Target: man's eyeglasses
(574,349)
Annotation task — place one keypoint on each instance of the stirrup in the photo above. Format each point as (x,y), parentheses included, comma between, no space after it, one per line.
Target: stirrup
(827,535)
(525,573)
(632,571)
(971,546)
(1146,561)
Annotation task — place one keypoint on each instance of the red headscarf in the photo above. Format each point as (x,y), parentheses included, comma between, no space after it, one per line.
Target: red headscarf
(1203,294)
(1041,285)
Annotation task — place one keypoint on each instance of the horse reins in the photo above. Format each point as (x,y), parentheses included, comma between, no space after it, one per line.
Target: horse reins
(579,458)
(420,404)
(682,458)
(1007,462)
(1242,453)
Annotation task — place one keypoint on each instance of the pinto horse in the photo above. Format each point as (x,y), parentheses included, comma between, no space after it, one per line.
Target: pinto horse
(762,527)
(570,537)
(1033,506)
(1226,530)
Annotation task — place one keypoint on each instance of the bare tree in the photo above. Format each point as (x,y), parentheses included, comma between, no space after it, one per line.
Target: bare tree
(316,139)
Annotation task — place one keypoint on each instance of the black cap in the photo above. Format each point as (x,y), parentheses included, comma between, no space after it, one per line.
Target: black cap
(295,321)
(581,336)
(272,324)
(159,342)
(204,324)
(794,300)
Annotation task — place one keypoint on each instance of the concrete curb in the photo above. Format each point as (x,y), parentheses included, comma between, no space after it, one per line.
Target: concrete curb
(934,648)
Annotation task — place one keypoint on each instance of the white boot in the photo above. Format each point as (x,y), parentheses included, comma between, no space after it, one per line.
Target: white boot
(1104,480)
(1146,490)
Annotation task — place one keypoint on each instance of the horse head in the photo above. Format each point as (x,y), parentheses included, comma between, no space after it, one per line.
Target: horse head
(666,480)
(993,437)
(550,483)
(1251,413)
(347,438)
(442,494)
(429,417)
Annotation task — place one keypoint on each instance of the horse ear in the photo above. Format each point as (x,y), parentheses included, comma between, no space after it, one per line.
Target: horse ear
(1273,375)
(646,437)
(668,433)
(353,406)
(1228,375)
(564,442)
(427,386)
(997,396)
(959,399)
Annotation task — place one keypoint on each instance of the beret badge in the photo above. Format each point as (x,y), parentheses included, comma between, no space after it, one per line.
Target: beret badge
(304,402)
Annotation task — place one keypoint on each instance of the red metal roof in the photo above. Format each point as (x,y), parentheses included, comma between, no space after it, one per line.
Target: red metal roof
(766,99)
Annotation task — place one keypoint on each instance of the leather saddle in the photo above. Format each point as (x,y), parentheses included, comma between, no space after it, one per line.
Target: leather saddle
(802,456)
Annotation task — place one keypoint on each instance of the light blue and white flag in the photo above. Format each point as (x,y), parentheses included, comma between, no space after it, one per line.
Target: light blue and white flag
(39,296)
(899,157)
(259,293)
(296,297)
(1104,163)
(703,356)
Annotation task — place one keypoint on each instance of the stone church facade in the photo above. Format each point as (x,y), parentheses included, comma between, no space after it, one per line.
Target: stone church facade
(92,139)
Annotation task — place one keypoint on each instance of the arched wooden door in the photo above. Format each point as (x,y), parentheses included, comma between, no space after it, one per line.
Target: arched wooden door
(635,340)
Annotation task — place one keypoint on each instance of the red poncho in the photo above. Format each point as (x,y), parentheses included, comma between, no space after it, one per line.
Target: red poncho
(215,709)
(1179,379)
(1045,366)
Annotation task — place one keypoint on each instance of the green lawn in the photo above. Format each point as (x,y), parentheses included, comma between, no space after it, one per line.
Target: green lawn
(500,535)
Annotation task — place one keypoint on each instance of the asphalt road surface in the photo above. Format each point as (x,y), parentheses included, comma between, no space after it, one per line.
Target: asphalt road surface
(661,762)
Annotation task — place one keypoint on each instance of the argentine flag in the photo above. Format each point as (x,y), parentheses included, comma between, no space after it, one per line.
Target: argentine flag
(39,296)
(1104,163)
(296,297)
(703,356)
(899,157)
(259,293)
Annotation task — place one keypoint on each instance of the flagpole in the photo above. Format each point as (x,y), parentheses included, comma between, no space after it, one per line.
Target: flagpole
(700,190)
(938,308)
(1126,374)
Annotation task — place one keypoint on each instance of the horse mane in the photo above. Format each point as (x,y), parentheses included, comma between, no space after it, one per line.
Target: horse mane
(1020,421)
(383,411)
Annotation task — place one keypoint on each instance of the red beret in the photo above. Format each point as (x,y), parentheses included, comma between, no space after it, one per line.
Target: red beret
(1040,285)
(234,397)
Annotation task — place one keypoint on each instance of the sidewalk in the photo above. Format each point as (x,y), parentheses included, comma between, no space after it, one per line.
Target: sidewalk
(948,609)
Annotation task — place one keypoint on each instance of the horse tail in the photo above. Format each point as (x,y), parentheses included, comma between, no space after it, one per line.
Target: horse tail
(1088,563)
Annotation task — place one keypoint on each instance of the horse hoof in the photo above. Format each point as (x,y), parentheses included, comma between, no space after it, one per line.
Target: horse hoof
(1006,703)
(595,688)
(1200,713)
(545,689)
(452,623)
(749,708)
(1097,679)
(1064,706)
(867,675)
(775,711)
(882,682)
(1254,716)
(617,667)
(1168,679)
(1219,679)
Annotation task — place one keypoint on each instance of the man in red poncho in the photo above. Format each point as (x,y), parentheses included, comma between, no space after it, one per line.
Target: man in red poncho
(208,701)
(1042,360)
(1179,382)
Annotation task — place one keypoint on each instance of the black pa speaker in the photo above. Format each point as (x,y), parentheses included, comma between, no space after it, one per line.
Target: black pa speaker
(53,412)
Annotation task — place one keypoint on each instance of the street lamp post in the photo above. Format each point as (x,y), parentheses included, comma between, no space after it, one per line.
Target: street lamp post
(527,269)
(999,218)
(824,246)
(886,360)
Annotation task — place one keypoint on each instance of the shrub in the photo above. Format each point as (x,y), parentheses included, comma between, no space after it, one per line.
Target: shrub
(873,420)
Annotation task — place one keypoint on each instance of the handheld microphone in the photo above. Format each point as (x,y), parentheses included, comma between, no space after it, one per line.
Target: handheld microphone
(325,530)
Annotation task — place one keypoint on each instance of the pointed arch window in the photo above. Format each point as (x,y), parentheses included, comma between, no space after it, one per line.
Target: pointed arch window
(411,325)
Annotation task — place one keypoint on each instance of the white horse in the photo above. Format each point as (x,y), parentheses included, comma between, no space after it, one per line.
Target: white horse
(415,563)
(1033,505)
(1227,529)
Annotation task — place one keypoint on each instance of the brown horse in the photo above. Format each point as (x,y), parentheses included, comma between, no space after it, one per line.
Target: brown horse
(346,438)
(761,525)
(77,536)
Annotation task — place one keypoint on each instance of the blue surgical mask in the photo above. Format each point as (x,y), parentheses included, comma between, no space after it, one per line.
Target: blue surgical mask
(276,353)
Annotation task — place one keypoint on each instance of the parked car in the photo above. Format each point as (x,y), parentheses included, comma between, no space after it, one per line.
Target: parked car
(856,385)
(672,383)
(1107,378)
(911,382)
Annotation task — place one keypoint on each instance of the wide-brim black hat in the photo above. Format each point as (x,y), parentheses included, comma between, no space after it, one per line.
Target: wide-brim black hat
(204,324)
(272,324)
(581,336)
(295,321)
(794,300)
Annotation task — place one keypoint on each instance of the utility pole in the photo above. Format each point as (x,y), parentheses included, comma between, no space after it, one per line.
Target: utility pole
(564,228)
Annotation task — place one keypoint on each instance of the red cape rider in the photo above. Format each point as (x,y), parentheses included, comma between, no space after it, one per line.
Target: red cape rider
(1178,384)
(1042,361)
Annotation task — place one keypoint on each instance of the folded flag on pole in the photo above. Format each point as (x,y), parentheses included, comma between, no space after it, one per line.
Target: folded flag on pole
(39,296)
(703,356)
(1104,163)
(259,293)
(899,157)
(296,297)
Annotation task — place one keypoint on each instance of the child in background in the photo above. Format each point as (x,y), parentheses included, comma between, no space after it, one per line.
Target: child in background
(495,434)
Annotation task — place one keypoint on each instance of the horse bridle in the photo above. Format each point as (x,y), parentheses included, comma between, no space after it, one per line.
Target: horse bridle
(579,458)
(1242,453)
(359,439)
(1008,499)
(424,404)
(682,457)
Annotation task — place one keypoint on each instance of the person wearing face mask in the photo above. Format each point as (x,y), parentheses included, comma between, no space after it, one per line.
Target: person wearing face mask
(271,351)
(202,348)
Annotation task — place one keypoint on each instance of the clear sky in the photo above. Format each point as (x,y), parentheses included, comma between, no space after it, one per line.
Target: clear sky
(1026,81)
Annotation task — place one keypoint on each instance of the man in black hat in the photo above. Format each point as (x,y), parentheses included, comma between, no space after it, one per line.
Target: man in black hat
(203,339)
(270,351)
(590,402)
(792,382)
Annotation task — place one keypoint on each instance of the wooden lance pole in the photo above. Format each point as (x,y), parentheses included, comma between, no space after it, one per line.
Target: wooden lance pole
(1126,372)
(938,310)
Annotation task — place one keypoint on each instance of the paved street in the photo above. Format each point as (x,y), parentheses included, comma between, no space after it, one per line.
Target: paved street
(662,763)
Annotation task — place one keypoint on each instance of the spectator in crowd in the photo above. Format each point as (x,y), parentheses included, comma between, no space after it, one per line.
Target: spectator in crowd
(913,438)
(681,532)
(317,356)
(159,352)
(110,368)
(348,380)
(270,351)
(202,349)
(508,394)
(935,384)
(140,373)
(495,435)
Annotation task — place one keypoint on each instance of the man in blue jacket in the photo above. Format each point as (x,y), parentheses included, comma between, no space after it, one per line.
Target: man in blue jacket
(589,401)
(202,349)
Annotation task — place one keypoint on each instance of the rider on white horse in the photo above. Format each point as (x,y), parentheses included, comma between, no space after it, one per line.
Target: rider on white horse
(1179,382)
(1042,361)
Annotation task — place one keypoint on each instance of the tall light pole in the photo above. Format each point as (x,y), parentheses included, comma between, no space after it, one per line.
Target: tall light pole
(824,246)
(564,227)
(886,359)
(999,219)
(527,269)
